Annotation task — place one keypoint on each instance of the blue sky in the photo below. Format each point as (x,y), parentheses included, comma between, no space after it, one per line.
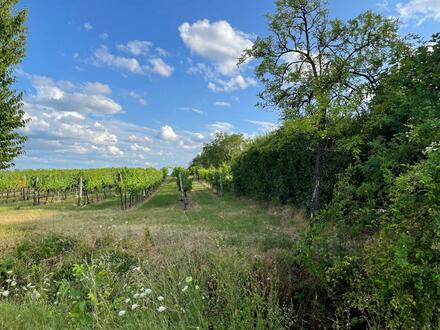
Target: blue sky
(146,83)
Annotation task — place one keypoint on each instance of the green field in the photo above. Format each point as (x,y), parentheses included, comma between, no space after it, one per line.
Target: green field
(221,264)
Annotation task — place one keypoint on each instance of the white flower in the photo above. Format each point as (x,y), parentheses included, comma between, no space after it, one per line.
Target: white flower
(127,300)
(136,295)
(8,280)
(142,295)
(5,293)
(148,291)
(160,298)
(161,309)
(9,272)
(122,313)
(197,287)
(134,306)
(13,283)
(188,279)
(36,294)
(185,288)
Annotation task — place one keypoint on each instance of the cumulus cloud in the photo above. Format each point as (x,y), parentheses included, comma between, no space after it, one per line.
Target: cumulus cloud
(167,133)
(160,67)
(88,26)
(103,58)
(221,45)
(103,36)
(138,97)
(135,47)
(419,10)
(235,83)
(90,97)
(217,41)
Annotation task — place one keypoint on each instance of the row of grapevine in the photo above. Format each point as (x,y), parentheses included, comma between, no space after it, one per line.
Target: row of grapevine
(87,185)
(219,179)
(184,184)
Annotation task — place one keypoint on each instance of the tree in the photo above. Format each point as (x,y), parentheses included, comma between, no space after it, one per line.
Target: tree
(12,51)
(222,149)
(323,69)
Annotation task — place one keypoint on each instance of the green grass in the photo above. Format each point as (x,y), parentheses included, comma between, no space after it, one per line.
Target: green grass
(85,262)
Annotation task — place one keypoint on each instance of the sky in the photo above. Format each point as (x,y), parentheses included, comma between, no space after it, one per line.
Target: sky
(147,83)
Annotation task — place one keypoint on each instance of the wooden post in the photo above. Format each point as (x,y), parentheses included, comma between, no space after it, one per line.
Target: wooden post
(182,192)
(80,190)
(120,191)
(36,197)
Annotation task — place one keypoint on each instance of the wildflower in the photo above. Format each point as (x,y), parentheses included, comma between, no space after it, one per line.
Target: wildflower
(36,294)
(197,287)
(142,295)
(185,288)
(5,293)
(9,272)
(148,291)
(137,269)
(188,279)
(134,306)
(136,295)
(122,313)
(161,309)
(160,298)
(8,280)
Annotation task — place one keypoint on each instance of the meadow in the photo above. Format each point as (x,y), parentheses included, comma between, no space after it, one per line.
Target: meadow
(222,264)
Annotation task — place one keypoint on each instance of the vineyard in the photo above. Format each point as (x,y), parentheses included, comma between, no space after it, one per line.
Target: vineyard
(131,185)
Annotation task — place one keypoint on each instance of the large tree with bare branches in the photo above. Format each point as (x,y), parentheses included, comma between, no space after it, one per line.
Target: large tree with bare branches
(321,68)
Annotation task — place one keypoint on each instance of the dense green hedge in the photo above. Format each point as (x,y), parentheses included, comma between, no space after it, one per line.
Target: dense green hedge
(371,258)
(280,165)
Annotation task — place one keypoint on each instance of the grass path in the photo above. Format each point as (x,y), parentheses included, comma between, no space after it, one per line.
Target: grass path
(237,222)
(234,253)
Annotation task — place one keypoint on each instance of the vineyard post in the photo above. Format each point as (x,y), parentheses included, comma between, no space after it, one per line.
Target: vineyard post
(36,197)
(80,192)
(120,191)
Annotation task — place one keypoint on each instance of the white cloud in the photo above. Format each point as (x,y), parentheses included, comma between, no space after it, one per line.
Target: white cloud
(235,83)
(88,26)
(160,67)
(90,97)
(137,147)
(264,126)
(419,10)
(217,41)
(162,52)
(195,110)
(103,36)
(138,97)
(222,104)
(102,57)
(167,133)
(220,126)
(115,151)
(135,47)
